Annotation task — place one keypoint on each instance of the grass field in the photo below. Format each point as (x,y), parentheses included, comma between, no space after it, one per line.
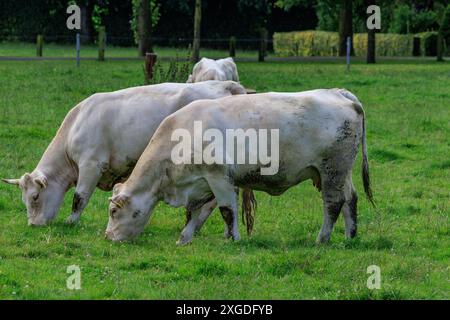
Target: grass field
(408,122)
(21,49)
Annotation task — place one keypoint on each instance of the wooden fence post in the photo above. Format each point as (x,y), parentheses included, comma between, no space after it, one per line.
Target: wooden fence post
(39,45)
(263,45)
(233,47)
(101,43)
(150,60)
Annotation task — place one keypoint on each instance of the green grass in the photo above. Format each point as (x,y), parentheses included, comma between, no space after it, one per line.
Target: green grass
(21,49)
(408,113)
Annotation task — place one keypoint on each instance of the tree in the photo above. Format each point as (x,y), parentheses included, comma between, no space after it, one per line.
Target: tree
(371,38)
(345,17)
(197,25)
(154,17)
(345,26)
(86,7)
(407,18)
(423,17)
(444,26)
(371,46)
(144,28)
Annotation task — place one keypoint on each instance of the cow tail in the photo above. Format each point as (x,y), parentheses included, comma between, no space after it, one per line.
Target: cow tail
(365,163)
(249,205)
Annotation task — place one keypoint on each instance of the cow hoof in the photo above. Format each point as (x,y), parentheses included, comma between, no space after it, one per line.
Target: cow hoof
(322,241)
(73,219)
(183,242)
(227,234)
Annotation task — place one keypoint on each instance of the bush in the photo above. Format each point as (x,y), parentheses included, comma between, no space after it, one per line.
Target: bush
(176,71)
(306,43)
(322,43)
(387,44)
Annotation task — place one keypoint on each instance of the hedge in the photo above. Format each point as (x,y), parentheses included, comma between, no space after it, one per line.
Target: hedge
(306,43)
(322,43)
(387,44)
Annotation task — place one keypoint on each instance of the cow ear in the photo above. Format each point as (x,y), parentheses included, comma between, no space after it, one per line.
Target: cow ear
(15,182)
(41,181)
(119,200)
(189,80)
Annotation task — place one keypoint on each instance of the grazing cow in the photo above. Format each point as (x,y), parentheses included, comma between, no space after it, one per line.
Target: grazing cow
(100,141)
(209,69)
(319,135)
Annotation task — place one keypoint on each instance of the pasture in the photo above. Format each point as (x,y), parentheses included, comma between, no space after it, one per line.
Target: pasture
(408,123)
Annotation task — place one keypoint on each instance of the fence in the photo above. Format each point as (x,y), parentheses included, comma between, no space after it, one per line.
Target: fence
(256,48)
(283,45)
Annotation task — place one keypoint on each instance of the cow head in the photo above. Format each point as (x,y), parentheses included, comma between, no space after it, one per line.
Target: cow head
(128,214)
(41,197)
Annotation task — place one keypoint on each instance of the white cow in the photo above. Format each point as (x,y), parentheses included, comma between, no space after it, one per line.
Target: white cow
(100,141)
(319,135)
(209,69)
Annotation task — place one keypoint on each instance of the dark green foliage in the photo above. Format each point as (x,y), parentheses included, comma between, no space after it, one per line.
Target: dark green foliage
(23,19)
(428,41)
(408,20)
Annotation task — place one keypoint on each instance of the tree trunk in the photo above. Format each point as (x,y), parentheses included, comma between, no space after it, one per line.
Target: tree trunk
(440,36)
(440,45)
(345,26)
(371,46)
(86,8)
(144,28)
(197,24)
(371,38)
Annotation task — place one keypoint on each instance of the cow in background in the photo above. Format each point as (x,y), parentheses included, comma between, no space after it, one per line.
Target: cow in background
(209,69)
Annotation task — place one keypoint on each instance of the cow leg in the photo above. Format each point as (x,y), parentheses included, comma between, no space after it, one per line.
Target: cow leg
(195,220)
(206,211)
(88,177)
(227,199)
(333,199)
(189,228)
(331,208)
(350,209)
